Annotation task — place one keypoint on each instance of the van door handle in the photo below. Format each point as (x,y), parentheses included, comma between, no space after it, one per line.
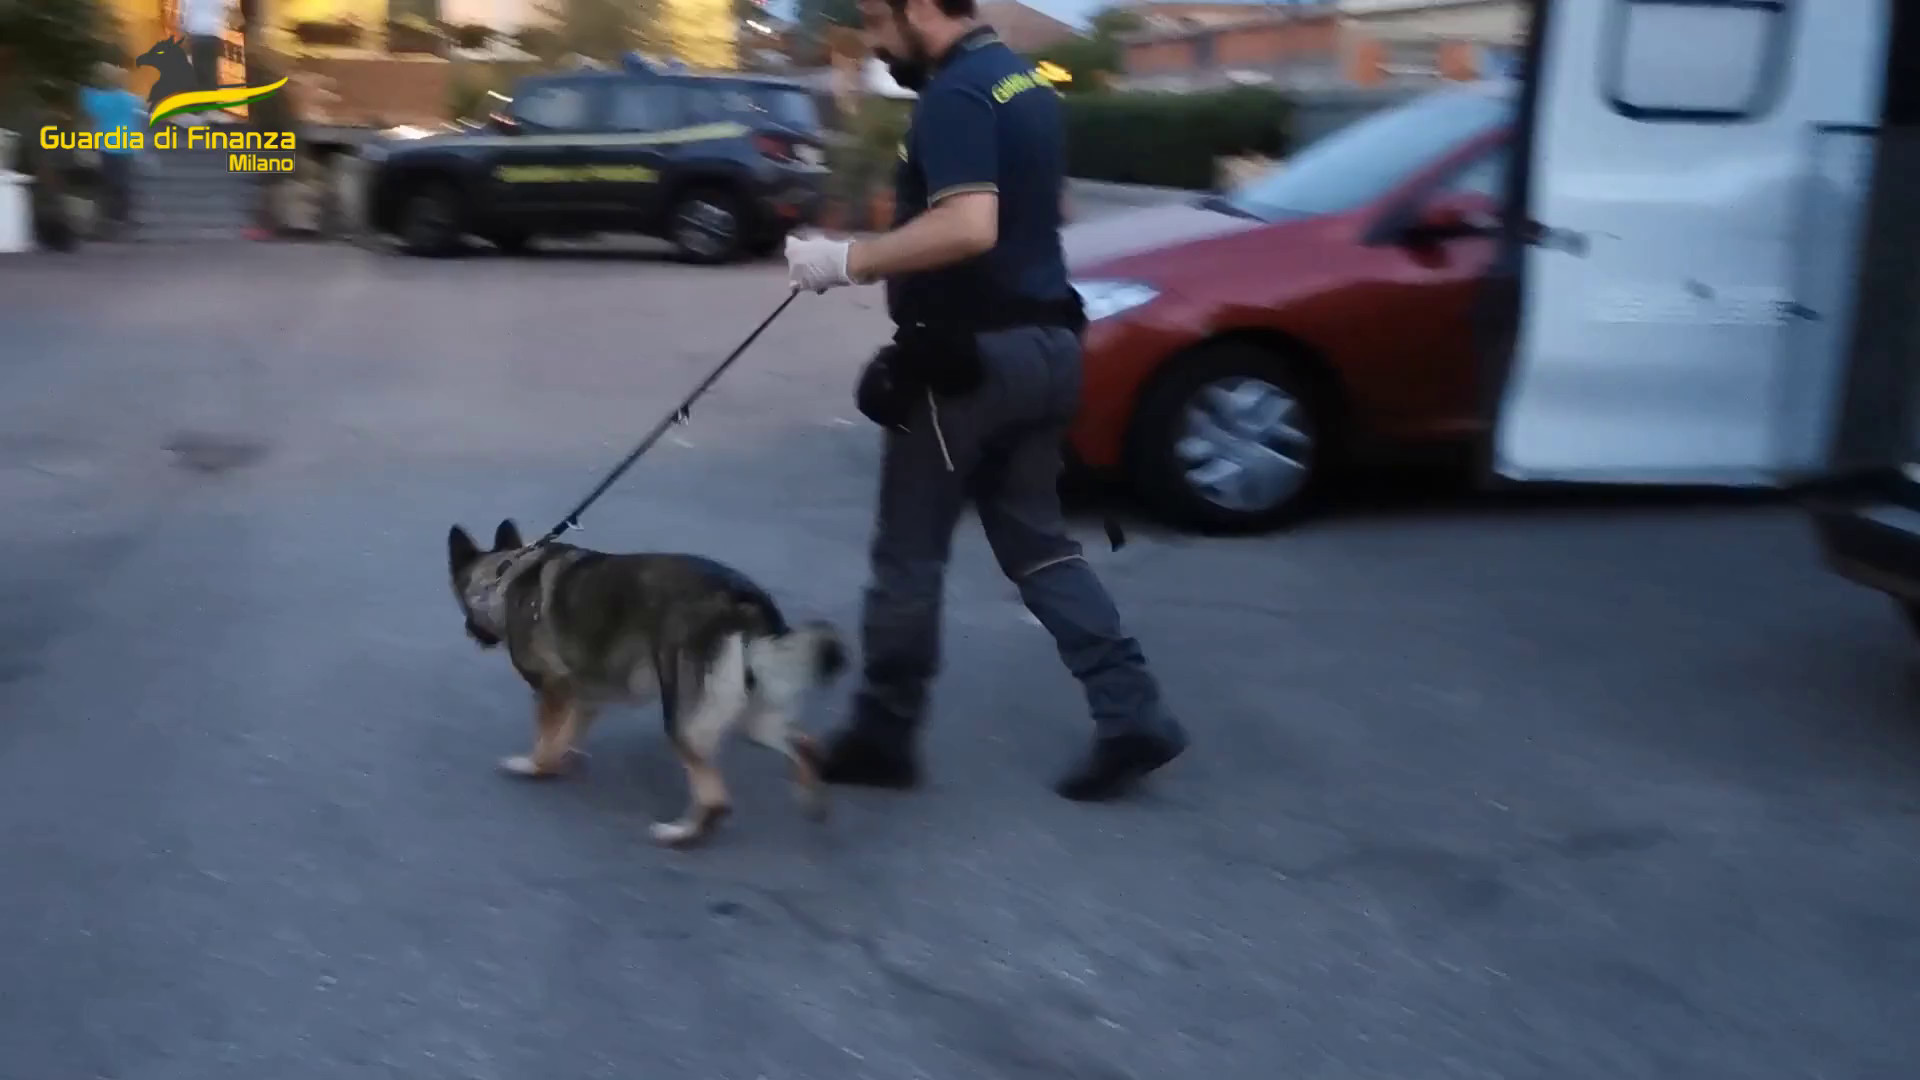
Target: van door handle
(1537,234)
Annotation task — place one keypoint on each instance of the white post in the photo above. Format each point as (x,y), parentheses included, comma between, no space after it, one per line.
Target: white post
(16,201)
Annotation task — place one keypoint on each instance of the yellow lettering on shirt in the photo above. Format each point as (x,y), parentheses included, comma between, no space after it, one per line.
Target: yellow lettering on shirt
(1019,83)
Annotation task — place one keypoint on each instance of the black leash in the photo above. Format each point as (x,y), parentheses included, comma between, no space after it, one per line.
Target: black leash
(677,416)
(1115,537)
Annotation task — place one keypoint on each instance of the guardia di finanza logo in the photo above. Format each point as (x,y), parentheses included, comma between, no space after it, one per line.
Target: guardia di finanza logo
(174,93)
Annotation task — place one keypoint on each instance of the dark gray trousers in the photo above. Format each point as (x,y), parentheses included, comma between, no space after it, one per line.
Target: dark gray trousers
(998,448)
(116,182)
(204,50)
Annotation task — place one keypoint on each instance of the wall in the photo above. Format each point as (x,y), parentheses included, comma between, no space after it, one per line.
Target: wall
(701,32)
(1254,43)
(1177,16)
(371,15)
(381,91)
(506,15)
(141,24)
(1300,52)
(1503,21)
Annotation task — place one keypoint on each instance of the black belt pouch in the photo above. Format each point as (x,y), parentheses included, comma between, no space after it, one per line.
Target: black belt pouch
(881,395)
(945,360)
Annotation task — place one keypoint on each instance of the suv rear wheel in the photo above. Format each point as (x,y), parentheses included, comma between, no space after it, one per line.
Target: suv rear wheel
(1231,438)
(705,226)
(510,241)
(430,220)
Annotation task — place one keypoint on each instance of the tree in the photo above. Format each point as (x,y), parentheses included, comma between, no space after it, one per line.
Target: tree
(603,29)
(1113,23)
(56,45)
(1096,56)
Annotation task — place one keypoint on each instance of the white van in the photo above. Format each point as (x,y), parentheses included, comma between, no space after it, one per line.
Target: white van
(1687,216)
(1711,272)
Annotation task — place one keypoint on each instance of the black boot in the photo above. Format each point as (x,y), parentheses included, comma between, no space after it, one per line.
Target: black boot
(1117,763)
(860,755)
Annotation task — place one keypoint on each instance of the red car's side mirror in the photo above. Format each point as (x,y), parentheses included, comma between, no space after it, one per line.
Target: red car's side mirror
(1454,216)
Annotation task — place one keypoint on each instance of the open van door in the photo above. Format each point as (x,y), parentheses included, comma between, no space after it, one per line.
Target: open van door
(1694,175)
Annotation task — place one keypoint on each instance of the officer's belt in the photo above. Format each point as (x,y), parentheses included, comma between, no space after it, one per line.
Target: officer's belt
(1002,312)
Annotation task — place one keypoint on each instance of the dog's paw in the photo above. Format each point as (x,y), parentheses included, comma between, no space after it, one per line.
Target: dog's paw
(813,801)
(674,833)
(522,765)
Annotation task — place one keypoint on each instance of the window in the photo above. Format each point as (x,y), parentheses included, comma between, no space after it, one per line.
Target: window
(1699,61)
(1412,58)
(701,105)
(750,103)
(1366,160)
(641,108)
(789,106)
(554,106)
(1484,175)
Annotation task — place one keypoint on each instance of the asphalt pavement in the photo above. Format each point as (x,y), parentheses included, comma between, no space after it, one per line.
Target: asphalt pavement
(1519,788)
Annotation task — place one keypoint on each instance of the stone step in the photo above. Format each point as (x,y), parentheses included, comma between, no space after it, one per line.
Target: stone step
(171,221)
(192,194)
(176,174)
(195,173)
(182,235)
(196,182)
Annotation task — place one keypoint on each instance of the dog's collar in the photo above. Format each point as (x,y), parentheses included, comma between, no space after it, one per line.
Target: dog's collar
(494,592)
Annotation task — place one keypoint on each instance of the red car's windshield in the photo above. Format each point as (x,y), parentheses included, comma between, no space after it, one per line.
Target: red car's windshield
(1360,163)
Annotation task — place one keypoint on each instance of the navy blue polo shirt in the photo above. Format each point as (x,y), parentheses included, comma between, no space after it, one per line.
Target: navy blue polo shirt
(985,121)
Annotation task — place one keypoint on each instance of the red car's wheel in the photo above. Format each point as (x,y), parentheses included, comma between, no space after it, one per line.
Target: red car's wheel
(1231,438)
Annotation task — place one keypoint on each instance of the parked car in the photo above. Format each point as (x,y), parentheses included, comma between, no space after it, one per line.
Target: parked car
(720,165)
(1242,346)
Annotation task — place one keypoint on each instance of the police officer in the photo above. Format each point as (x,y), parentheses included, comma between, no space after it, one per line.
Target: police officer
(976,393)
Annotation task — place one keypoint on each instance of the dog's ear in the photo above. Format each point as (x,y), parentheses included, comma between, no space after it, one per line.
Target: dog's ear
(461,550)
(507,537)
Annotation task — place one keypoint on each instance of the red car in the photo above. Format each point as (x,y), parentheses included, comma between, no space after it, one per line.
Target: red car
(1243,345)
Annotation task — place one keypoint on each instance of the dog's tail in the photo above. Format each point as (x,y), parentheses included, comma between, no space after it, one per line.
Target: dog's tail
(785,667)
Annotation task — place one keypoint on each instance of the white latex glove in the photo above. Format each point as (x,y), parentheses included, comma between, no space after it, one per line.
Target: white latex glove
(817,263)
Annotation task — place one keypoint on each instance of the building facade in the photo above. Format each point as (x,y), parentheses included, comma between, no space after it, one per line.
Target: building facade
(1203,46)
(1425,38)
(1188,46)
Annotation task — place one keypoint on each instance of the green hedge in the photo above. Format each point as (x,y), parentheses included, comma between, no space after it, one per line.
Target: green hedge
(1171,140)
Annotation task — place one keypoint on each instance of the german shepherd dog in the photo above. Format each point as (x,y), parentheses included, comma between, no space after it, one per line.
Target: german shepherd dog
(587,629)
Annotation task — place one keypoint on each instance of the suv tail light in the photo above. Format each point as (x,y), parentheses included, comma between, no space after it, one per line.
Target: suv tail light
(775,148)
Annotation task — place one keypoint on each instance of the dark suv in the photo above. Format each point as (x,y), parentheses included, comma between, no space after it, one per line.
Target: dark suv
(720,165)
